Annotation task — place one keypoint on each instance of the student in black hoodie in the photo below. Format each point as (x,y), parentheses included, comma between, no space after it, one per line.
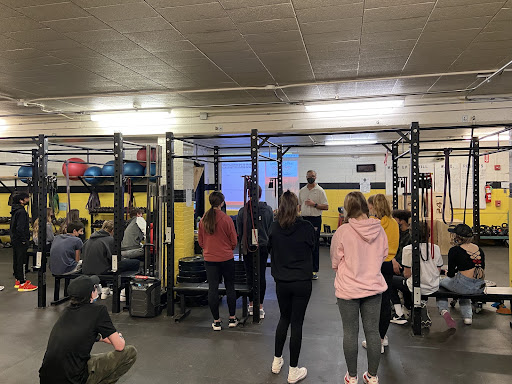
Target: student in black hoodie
(20,236)
(291,244)
(97,253)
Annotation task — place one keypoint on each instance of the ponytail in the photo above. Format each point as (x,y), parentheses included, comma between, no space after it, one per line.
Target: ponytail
(216,199)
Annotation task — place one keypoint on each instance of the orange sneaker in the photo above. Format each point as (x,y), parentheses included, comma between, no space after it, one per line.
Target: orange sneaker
(27,287)
(17,284)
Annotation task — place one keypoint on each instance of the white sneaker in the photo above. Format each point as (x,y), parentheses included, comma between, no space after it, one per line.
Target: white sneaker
(105,292)
(468,321)
(277,364)
(216,325)
(250,308)
(382,345)
(385,342)
(262,313)
(370,380)
(122,296)
(349,379)
(1,287)
(296,374)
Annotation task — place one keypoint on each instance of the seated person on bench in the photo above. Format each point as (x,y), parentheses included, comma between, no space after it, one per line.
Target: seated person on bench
(65,250)
(430,267)
(97,253)
(134,234)
(466,264)
(68,354)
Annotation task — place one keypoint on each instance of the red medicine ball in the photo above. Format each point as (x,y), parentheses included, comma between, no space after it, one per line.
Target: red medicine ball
(76,168)
(141,156)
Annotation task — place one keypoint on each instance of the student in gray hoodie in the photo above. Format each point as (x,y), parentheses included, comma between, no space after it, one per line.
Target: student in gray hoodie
(243,228)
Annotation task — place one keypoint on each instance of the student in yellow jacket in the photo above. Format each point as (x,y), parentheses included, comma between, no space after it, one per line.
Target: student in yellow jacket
(380,208)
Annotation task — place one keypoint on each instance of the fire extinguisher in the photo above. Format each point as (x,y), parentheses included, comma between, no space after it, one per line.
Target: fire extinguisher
(488,196)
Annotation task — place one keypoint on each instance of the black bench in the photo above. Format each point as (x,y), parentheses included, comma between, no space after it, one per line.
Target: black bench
(490,294)
(125,280)
(182,289)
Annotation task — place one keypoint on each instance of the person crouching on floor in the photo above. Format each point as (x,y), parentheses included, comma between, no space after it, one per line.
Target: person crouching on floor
(68,356)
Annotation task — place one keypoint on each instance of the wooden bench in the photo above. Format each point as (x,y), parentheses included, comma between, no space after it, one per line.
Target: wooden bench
(182,289)
(125,280)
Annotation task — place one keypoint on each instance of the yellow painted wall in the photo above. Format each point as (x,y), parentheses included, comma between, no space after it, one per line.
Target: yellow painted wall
(491,215)
(184,233)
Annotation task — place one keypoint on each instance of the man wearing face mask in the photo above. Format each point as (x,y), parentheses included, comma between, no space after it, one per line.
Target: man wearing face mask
(68,356)
(313,201)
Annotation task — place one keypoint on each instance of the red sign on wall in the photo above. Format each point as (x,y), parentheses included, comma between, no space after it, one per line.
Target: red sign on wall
(497,167)
(486,158)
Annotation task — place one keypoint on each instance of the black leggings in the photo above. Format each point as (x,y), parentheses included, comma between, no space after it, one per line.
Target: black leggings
(385,309)
(19,260)
(293,298)
(214,270)
(248,262)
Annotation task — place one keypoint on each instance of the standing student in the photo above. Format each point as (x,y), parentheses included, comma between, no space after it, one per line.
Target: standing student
(291,244)
(68,356)
(65,250)
(217,238)
(20,236)
(244,225)
(312,201)
(466,275)
(379,207)
(431,263)
(402,218)
(357,252)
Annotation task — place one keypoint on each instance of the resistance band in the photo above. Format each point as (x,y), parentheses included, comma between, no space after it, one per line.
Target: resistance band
(447,185)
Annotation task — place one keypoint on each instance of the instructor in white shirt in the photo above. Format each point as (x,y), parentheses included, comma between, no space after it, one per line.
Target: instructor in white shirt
(313,201)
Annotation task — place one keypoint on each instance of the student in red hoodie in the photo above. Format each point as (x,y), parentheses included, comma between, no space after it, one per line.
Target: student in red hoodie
(217,238)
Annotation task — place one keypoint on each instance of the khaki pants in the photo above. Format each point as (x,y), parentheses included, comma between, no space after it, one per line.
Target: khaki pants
(107,368)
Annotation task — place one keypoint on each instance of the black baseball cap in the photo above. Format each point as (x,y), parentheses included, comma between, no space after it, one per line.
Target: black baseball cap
(82,286)
(462,230)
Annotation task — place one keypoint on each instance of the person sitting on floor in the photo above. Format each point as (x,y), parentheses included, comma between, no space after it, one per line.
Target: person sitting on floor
(466,264)
(430,268)
(97,256)
(134,234)
(65,250)
(68,356)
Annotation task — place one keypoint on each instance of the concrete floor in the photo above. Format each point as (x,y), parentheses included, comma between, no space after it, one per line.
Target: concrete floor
(190,352)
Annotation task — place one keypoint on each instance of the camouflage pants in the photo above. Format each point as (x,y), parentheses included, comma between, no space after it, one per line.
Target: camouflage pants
(107,368)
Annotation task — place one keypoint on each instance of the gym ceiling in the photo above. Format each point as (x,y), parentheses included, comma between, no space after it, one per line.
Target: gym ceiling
(82,56)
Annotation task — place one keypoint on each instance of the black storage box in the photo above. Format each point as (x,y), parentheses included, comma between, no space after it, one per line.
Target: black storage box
(145,296)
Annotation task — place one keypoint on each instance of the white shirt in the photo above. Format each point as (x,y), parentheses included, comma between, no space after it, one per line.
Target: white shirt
(316,194)
(429,274)
(141,223)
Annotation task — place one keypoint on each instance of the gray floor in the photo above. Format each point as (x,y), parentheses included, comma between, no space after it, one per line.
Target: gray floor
(191,352)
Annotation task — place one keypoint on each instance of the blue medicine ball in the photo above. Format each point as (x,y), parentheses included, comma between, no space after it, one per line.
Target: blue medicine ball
(152,171)
(25,171)
(91,173)
(108,169)
(133,169)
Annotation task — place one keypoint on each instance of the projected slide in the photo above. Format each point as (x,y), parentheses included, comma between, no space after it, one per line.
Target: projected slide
(233,182)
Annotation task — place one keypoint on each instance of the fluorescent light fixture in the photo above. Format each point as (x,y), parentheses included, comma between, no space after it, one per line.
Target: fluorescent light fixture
(350,142)
(377,106)
(132,117)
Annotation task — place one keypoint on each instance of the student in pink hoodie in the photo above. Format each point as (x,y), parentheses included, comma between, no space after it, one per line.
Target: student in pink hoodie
(357,252)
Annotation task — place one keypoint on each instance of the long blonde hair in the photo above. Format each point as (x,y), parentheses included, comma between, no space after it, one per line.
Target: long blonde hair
(381,206)
(35,226)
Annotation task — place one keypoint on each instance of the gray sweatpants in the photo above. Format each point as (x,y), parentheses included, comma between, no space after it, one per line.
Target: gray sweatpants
(370,314)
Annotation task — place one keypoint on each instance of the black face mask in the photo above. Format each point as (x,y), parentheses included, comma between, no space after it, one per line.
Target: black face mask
(311,180)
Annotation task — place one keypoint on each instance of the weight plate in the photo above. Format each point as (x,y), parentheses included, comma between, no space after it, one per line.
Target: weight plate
(185,279)
(192,268)
(201,274)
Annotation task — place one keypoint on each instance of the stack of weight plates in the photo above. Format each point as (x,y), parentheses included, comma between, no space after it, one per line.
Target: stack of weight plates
(240,275)
(191,270)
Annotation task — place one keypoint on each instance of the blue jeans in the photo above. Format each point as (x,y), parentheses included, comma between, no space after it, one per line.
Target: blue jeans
(463,285)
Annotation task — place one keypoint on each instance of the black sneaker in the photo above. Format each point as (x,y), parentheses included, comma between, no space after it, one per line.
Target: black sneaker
(217,325)
(233,322)
(401,320)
